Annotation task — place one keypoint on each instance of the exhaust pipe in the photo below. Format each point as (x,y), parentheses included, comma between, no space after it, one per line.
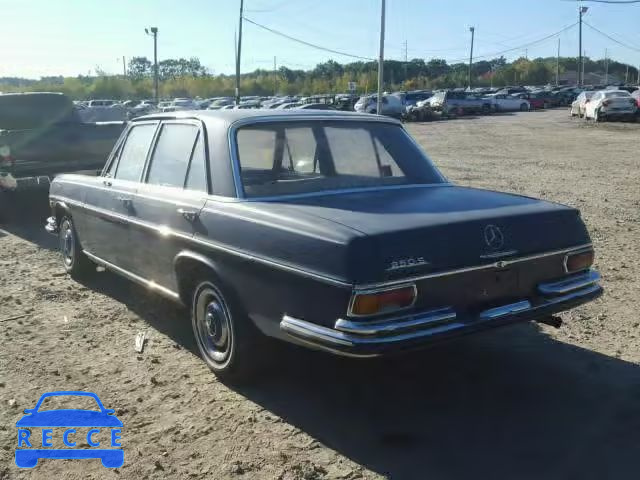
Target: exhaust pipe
(551,320)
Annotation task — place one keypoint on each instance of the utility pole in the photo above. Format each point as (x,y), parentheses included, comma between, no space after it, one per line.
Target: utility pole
(381,60)
(606,67)
(124,66)
(584,56)
(581,11)
(626,76)
(472,30)
(405,61)
(275,78)
(558,65)
(154,33)
(239,53)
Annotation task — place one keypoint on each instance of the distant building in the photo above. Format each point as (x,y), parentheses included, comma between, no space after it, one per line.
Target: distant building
(590,78)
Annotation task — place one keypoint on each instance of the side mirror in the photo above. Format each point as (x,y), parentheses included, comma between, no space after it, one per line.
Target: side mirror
(29,410)
(109,411)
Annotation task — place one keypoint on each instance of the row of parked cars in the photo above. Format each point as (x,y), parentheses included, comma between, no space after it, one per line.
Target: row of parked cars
(606,104)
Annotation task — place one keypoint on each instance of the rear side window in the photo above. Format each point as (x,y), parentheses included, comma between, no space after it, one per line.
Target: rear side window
(171,156)
(197,176)
(134,152)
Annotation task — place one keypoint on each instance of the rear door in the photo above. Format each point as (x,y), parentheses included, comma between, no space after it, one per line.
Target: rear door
(109,203)
(168,204)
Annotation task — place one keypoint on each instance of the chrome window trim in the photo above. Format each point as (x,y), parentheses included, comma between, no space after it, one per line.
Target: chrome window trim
(498,264)
(381,290)
(243,122)
(343,191)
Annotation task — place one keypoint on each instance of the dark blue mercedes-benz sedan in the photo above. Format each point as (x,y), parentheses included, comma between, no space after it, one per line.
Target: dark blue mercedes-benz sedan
(327,229)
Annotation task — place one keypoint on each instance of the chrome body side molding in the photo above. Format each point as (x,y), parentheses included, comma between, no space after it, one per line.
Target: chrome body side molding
(150,284)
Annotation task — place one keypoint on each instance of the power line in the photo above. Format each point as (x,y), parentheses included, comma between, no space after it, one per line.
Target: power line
(612,38)
(520,47)
(614,2)
(303,42)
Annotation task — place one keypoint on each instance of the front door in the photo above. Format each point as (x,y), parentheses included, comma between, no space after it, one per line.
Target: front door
(109,203)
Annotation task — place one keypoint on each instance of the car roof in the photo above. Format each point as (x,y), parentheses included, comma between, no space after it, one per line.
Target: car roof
(230,117)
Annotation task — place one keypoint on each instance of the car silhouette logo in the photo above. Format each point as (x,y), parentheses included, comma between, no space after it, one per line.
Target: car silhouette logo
(27,454)
(493,237)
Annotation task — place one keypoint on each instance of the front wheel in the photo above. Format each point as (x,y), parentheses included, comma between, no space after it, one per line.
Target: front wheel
(74,261)
(524,107)
(597,116)
(225,337)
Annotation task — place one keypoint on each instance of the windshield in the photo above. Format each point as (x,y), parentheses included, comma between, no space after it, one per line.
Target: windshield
(306,157)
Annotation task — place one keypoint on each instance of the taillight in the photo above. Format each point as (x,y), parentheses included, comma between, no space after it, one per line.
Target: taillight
(576,262)
(377,302)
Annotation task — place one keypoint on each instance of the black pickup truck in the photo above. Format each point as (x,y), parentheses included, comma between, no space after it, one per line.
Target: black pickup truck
(41,135)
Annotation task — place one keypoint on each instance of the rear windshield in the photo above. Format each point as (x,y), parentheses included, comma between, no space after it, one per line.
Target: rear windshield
(616,93)
(289,158)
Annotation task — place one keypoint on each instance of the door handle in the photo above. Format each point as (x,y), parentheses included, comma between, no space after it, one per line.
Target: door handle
(127,202)
(189,215)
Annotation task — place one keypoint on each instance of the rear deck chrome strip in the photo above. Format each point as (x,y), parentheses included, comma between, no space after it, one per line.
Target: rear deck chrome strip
(498,264)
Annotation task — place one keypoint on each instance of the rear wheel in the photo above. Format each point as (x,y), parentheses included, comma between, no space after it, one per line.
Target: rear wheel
(74,261)
(524,107)
(597,116)
(226,338)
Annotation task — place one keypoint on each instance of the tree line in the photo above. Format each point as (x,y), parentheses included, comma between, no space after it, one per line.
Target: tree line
(189,78)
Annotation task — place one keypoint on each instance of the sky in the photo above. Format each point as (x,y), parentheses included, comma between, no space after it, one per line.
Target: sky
(71,37)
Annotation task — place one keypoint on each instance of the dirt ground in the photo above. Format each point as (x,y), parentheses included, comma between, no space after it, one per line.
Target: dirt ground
(524,402)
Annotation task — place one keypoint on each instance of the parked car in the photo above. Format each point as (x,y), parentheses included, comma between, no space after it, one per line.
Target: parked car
(579,104)
(391,105)
(332,230)
(507,103)
(288,105)
(459,102)
(536,101)
(610,104)
(218,104)
(316,106)
(101,103)
(42,135)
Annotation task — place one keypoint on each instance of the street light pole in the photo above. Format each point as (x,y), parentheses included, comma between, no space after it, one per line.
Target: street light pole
(558,65)
(472,30)
(381,60)
(154,33)
(581,11)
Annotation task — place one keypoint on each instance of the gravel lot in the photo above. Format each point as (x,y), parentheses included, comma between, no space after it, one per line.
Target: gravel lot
(524,402)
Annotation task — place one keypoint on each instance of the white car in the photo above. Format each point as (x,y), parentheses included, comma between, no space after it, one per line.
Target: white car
(391,105)
(579,104)
(501,102)
(607,104)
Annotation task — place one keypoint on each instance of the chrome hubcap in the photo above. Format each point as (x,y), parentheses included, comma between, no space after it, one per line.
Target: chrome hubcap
(67,244)
(213,326)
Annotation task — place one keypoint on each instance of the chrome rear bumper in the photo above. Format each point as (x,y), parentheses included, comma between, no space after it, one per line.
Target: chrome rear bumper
(373,338)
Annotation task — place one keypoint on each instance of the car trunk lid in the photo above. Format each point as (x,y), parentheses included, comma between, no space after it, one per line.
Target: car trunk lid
(428,229)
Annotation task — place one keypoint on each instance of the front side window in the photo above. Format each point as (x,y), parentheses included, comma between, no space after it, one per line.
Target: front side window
(172,154)
(134,152)
(287,158)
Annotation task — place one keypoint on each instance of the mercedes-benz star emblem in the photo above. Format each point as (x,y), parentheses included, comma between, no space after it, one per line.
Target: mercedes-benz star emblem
(493,237)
